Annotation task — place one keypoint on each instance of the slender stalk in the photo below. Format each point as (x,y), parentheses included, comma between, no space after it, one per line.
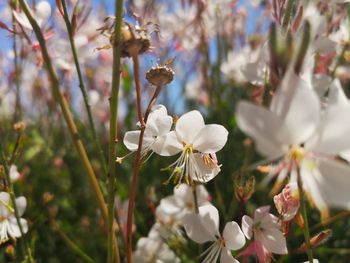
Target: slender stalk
(137,162)
(114,101)
(66,112)
(70,243)
(306,229)
(195,197)
(288,14)
(82,86)
(24,245)
(18,111)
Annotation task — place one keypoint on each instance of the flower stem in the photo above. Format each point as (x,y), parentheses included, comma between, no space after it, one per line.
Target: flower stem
(113,125)
(288,14)
(66,112)
(82,86)
(137,162)
(74,247)
(195,197)
(306,229)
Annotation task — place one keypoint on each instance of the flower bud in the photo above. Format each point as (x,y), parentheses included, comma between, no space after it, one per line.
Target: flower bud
(19,126)
(287,202)
(244,189)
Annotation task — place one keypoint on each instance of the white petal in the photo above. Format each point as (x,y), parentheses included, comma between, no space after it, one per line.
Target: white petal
(336,93)
(233,236)
(335,183)
(333,135)
(263,126)
(131,140)
(226,257)
(200,171)
(22,19)
(274,241)
(188,126)
(43,12)
(21,203)
(210,216)
(298,106)
(196,229)
(247,226)
(311,180)
(159,125)
(171,205)
(167,145)
(184,192)
(210,139)
(261,212)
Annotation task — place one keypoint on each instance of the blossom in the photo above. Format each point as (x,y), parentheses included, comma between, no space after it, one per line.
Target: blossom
(153,249)
(204,227)
(14,174)
(181,202)
(306,139)
(268,238)
(42,13)
(157,127)
(198,144)
(8,223)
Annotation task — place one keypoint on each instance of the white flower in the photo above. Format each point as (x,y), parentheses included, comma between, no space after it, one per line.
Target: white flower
(8,223)
(153,250)
(268,237)
(14,174)
(307,138)
(41,15)
(157,127)
(181,202)
(204,227)
(198,144)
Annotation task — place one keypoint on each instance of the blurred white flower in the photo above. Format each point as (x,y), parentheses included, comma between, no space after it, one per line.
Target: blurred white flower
(266,232)
(204,227)
(9,227)
(14,174)
(295,128)
(153,250)
(198,144)
(41,14)
(181,202)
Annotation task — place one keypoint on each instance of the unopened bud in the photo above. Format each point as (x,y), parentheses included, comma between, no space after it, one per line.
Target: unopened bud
(244,189)
(47,197)
(19,126)
(287,202)
(317,240)
(10,250)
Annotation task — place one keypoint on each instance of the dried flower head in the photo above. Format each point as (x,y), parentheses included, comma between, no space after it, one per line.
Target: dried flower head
(135,40)
(160,75)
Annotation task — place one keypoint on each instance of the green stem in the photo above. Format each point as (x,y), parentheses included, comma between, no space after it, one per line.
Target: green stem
(66,112)
(113,121)
(306,229)
(74,247)
(288,14)
(195,197)
(18,111)
(82,86)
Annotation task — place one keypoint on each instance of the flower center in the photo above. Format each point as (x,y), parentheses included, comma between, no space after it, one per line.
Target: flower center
(296,153)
